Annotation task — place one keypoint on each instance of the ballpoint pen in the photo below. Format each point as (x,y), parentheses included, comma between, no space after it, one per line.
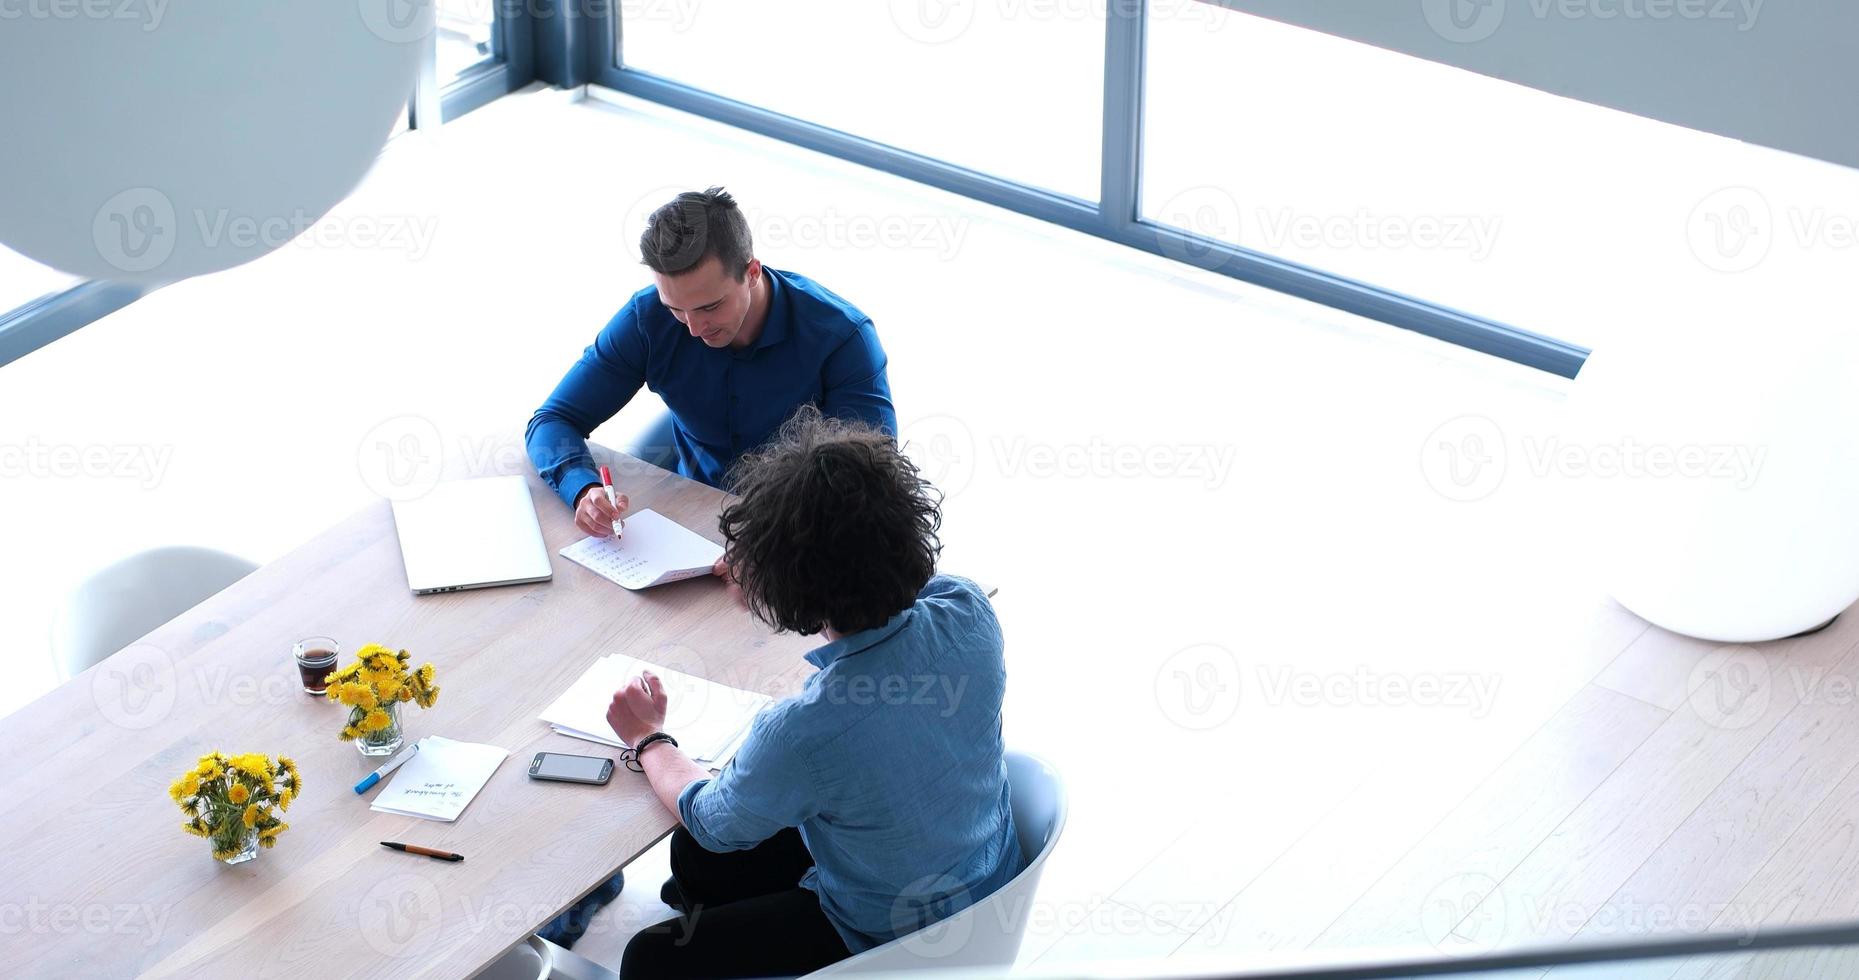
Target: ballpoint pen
(427,851)
(613,497)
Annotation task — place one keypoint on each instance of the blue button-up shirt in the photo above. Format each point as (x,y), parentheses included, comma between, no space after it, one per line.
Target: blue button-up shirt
(814,348)
(890,763)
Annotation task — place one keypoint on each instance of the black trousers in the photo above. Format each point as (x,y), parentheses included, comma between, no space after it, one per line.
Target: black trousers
(744,915)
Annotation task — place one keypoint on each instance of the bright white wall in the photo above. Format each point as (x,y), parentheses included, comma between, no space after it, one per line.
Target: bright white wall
(1781,73)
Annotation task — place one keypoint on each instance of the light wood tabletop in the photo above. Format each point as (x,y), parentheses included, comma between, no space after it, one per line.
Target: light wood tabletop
(98,879)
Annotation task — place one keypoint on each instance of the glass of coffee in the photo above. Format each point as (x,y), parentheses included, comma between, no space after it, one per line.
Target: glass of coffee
(316,660)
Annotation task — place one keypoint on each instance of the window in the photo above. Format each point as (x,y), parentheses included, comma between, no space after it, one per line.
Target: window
(464,35)
(23,280)
(1546,213)
(1010,90)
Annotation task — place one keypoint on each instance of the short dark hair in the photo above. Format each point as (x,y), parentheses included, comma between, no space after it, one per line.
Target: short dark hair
(835,527)
(694,226)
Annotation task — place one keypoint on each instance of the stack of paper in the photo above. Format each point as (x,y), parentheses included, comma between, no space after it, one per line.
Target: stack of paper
(653,550)
(440,779)
(709,720)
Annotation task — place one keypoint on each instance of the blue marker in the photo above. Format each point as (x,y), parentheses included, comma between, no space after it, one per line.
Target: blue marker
(392,764)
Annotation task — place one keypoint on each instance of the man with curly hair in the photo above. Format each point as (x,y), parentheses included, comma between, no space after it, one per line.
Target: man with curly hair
(873,803)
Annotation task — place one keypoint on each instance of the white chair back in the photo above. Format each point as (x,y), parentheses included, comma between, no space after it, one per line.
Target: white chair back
(118,605)
(987,933)
(531,959)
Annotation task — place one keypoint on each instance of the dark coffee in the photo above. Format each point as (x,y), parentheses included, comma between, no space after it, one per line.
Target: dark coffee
(315,666)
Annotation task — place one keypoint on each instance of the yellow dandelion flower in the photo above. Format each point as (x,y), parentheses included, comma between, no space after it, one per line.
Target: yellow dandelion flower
(252,813)
(195,827)
(238,793)
(190,784)
(375,721)
(349,733)
(252,764)
(271,833)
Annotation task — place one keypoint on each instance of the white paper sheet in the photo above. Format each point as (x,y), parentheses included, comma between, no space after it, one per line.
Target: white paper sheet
(653,550)
(708,719)
(441,779)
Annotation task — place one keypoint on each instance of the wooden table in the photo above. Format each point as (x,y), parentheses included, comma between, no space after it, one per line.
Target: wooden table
(97,878)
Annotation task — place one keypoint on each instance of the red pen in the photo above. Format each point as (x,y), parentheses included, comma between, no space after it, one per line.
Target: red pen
(606,483)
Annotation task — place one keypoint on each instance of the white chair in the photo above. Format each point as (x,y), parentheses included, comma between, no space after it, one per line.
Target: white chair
(987,933)
(118,605)
(531,959)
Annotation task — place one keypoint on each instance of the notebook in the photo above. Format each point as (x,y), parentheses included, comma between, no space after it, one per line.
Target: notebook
(653,550)
(709,720)
(440,780)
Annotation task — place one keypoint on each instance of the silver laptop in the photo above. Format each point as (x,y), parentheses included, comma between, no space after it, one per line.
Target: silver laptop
(471,534)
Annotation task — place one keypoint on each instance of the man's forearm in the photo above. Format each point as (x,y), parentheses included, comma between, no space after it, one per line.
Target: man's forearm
(669,770)
(561,457)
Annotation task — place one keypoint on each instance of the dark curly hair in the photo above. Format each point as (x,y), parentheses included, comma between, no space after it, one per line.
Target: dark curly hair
(694,226)
(835,527)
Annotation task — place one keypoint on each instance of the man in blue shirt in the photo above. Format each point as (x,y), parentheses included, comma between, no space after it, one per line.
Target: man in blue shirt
(876,801)
(733,348)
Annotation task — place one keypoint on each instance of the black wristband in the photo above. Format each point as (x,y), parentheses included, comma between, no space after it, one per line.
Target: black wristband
(649,740)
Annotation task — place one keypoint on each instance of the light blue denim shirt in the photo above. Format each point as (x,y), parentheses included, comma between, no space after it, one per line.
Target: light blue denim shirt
(890,764)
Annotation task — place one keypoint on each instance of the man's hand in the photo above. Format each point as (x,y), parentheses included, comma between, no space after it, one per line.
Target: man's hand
(723,571)
(638,709)
(594,515)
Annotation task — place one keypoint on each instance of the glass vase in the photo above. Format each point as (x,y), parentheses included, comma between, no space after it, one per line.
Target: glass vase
(386,741)
(248,849)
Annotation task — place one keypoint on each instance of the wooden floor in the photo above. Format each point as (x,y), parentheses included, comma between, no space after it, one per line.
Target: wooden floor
(1307,702)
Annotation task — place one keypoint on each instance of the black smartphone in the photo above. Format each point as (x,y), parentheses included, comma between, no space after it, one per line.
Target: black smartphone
(571,768)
